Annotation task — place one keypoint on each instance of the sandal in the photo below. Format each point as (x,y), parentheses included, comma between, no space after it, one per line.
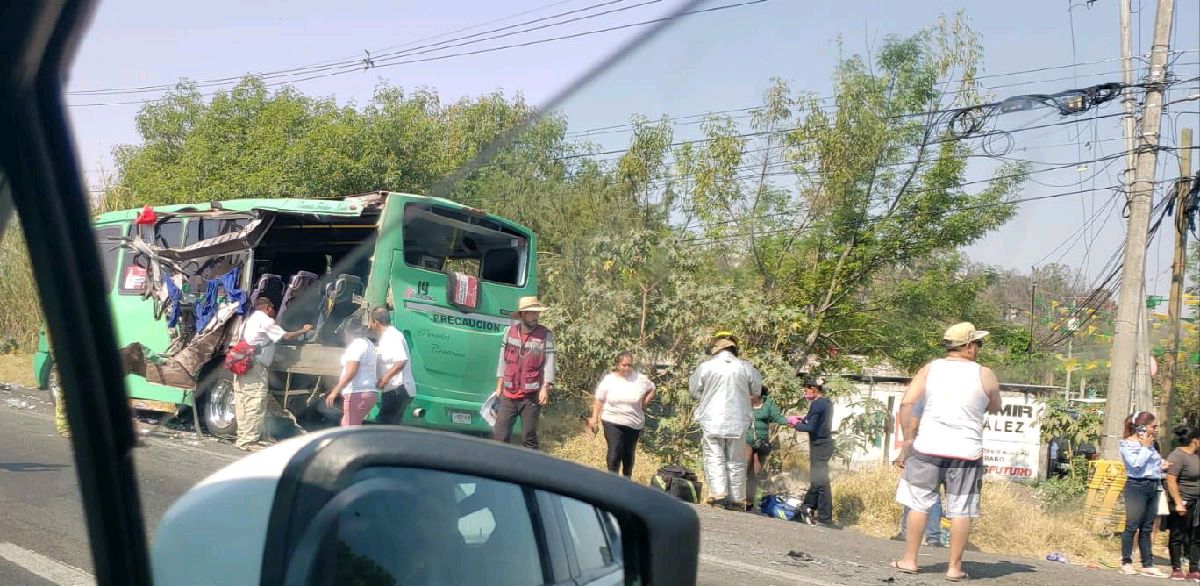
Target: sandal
(895,565)
(963,577)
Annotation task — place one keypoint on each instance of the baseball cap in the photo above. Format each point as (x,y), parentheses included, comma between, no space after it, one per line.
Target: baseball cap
(961,334)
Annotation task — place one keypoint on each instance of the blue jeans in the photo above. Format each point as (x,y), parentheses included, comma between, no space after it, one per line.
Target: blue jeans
(933,523)
(1141,507)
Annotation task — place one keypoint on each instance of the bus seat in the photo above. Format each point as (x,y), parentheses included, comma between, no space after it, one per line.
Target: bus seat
(337,307)
(295,311)
(269,286)
(500,265)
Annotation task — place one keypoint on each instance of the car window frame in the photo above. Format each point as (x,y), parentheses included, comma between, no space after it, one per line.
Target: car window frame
(41,163)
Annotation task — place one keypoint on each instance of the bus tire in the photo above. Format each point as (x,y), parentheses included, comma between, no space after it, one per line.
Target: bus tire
(217,407)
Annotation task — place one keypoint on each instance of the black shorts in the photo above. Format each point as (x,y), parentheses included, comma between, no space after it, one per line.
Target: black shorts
(761,448)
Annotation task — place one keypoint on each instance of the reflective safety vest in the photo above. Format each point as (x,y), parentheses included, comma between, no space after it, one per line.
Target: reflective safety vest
(524,357)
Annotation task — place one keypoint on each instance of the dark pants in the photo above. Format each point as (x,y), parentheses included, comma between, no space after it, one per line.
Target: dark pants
(1141,507)
(509,410)
(392,405)
(622,442)
(1185,539)
(819,495)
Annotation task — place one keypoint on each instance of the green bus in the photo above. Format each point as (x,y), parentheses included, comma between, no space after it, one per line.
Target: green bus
(450,274)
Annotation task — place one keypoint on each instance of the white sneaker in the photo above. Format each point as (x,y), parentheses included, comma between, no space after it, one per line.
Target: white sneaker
(1128,570)
(1153,573)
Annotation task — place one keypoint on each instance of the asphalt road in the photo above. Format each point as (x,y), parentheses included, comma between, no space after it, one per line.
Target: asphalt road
(43,539)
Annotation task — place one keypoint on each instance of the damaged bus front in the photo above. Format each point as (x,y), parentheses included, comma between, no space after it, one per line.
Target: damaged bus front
(182,277)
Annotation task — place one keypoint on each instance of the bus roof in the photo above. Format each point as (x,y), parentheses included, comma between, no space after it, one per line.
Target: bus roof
(349,206)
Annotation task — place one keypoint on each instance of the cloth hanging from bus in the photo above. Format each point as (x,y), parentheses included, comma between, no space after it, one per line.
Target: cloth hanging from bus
(174,297)
(225,286)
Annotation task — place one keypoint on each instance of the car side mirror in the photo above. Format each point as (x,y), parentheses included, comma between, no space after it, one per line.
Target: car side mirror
(393,505)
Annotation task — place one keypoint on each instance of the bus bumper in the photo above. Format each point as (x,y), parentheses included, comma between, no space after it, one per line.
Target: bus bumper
(447,414)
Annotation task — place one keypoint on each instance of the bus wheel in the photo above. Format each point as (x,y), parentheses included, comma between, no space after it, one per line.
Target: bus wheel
(217,408)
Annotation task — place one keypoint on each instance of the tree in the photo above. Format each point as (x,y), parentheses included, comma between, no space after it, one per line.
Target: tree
(252,142)
(879,185)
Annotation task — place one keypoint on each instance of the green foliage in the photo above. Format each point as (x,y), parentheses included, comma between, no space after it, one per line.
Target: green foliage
(1065,493)
(1077,425)
(879,188)
(252,142)
(860,431)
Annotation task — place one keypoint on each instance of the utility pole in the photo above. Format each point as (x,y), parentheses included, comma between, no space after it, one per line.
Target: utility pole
(1127,99)
(1032,313)
(1130,300)
(1175,301)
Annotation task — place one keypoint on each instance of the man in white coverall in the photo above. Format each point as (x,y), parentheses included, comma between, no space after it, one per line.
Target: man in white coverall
(724,385)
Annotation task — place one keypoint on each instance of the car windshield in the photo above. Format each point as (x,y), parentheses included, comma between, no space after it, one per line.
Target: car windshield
(551,224)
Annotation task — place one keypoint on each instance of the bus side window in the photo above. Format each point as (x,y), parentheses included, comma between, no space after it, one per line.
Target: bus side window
(106,241)
(501,265)
(132,278)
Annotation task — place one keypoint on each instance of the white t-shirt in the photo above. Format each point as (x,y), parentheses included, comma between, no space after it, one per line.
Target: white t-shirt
(622,398)
(261,330)
(393,349)
(361,351)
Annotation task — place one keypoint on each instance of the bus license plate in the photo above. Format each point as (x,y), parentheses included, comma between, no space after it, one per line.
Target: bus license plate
(459,418)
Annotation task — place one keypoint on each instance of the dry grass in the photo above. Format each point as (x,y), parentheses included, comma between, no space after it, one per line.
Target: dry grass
(563,435)
(17,369)
(1012,522)
(20,313)
(589,450)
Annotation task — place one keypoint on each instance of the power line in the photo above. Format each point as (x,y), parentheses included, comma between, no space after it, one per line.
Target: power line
(702,115)
(356,61)
(482,51)
(875,219)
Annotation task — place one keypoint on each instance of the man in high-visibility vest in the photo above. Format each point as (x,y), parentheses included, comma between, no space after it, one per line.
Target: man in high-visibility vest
(524,374)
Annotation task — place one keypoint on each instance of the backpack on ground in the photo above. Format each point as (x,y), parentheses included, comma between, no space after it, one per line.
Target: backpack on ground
(781,506)
(679,482)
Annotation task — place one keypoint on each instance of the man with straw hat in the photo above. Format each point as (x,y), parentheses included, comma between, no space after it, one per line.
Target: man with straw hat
(524,375)
(948,452)
(723,385)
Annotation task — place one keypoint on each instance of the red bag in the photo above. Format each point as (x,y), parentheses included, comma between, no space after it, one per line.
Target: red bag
(240,357)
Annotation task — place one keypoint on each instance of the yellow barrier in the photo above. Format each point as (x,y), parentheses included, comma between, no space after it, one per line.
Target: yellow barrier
(1104,509)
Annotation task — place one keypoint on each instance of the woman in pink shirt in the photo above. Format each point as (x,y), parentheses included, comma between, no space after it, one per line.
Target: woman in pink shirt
(620,406)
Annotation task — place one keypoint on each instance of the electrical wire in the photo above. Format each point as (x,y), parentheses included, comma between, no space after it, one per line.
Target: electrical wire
(377,64)
(354,61)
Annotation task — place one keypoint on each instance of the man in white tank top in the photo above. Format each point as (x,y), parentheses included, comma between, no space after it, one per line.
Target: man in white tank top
(948,447)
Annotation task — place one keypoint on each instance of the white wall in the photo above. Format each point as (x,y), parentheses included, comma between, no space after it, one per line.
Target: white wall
(1011,439)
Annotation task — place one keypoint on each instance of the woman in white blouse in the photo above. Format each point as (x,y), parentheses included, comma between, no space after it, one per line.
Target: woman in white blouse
(620,406)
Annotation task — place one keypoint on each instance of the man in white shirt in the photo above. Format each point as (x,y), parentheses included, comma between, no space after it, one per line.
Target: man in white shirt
(957,393)
(250,390)
(396,385)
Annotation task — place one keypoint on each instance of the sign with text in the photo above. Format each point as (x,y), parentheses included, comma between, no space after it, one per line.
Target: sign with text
(1011,438)
(1012,442)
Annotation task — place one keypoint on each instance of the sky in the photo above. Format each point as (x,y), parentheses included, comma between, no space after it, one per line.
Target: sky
(709,61)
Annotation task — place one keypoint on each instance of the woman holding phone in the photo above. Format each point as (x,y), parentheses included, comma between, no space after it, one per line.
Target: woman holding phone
(1144,471)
